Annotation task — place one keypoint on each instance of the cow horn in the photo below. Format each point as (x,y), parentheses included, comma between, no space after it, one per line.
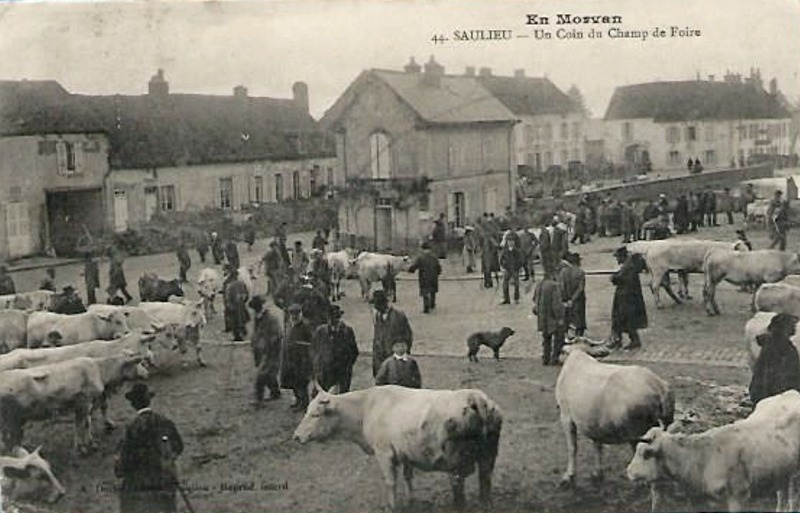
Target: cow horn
(36,451)
(317,386)
(334,390)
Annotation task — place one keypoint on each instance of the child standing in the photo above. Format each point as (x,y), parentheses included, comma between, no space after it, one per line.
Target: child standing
(399,369)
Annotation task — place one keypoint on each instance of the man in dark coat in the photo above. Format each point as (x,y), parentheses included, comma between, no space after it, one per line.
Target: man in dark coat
(334,352)
(266,346)
(201,246)
(777,368)
(572,280)
(429,270)
(439,236)
(91,278)
(297,368)
(489,260)
(320,272)
(314,303)
(249,235)
(49,281)
(146,462)
(236,314)
(628,314)
(232,254)
(116,275)
(273,266)
(778,221)
(184,262)
(680,217)
(319,241)
(390,325)
(511,262)
(68,302)
(548,307)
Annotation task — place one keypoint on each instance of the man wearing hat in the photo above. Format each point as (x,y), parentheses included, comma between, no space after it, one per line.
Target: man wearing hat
(777,368)
(429,270)
(314,303)
(146,462)
(68,302)
(470,248)
(236,314)
(320,272)
(184,261)
(91,277)
(511,261)
(297,367)
(572,280)
(778,217)
(628,313)
(266,345)
(334,352)
(390,325)
(548,307)
(273,267)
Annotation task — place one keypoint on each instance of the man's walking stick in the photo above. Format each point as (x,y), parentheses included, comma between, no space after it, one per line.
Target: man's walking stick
(185,498)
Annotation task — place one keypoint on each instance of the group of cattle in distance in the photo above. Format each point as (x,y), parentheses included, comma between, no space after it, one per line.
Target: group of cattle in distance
(718,261)
(55,363)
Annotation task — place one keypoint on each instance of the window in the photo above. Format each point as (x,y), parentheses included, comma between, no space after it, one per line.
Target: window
(67,158)
(278,187)
(459,208)
(488,151)
(627,131)
(576,155)
(380,156)
(742,132)
(70,148)
(259,189)
(330,177)
(752,131)
(710,133)
(225,192)
(296,192)
(312,180)
(673,134)
(537,132)
(576,130)
(452,154)
(674,158)
(691,133)
(564,131)
(548,132)
(711,158)
(167,198)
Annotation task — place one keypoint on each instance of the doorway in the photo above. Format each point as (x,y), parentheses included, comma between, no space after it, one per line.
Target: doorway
(383,228)
(71,215)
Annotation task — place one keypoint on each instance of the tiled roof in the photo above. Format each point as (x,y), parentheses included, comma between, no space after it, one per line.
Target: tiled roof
(693,100)
(176,129)
(529,96)
(455,100)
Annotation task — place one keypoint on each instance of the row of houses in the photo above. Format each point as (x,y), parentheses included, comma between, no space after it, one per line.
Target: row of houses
(73,164)
(400,147)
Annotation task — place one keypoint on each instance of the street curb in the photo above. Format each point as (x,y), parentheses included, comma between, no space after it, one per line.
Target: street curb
(43,265)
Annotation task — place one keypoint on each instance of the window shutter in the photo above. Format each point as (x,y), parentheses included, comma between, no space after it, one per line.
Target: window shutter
(79,158)
(215,191)
(451,207)
(61,157)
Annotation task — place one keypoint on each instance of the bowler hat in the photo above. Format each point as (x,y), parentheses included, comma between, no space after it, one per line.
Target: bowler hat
(740,231)
(335,312)
(68,287)
(782,320)
(139,393)
(573,258)
(379,296)
(294,309)
(621,251)
(257,303)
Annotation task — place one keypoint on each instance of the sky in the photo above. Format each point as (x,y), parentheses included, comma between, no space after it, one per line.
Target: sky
(267,45)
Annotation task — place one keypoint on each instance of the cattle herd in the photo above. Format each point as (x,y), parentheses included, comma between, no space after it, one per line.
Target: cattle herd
(55,362)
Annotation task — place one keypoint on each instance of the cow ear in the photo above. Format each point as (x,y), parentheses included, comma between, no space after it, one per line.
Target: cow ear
(334,390)
(103,315)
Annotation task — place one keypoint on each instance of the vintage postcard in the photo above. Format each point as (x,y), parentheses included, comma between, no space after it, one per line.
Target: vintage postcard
(422,255)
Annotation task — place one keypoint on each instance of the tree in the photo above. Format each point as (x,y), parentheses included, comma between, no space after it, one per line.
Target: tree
(577,97)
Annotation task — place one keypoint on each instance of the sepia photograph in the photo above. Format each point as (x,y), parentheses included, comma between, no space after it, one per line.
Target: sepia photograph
(415,256)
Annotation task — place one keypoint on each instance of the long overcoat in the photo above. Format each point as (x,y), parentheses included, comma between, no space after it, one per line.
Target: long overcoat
(628,311)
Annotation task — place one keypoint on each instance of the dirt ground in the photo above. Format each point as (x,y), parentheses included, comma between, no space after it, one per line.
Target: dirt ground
(239,458)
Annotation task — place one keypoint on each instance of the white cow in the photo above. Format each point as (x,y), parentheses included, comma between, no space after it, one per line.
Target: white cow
(40,300)
(378,267)
(681,255)
(779,298)
(209,284)
(730,462)
(13,329)
(434,430)
(61,329)
(183,320)
(745,268)
(609,404)
(339,263)
(136,318)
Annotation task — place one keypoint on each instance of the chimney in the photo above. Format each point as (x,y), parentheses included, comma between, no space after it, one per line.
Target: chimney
(240,91)
(158,86)
(412,66)
(485,72)
(470,71)
(711,78)
(300,94)
(519,73)
(433,73)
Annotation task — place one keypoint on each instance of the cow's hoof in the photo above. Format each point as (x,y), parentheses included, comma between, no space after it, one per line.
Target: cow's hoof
(566,482)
